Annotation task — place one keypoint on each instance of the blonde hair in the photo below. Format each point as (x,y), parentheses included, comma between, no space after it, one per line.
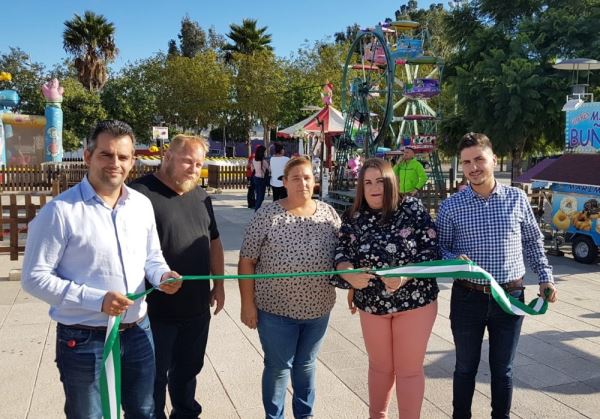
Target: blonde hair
(181,140)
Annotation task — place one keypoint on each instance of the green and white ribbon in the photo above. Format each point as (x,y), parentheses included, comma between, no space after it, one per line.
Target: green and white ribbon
(110,379)
(464,269)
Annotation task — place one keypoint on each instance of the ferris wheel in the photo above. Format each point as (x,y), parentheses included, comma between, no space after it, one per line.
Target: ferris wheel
(390,88)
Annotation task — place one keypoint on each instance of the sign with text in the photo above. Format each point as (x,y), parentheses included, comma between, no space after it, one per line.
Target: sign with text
(160,133)
(582,130)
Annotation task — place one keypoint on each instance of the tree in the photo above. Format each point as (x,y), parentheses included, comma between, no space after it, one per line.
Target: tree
(27,80)
(258,85)
(216,41)
(134,93)
(172,49)
(90,39)
(192,38)
(81,110)
(247,38)
(502,71)
(194,91)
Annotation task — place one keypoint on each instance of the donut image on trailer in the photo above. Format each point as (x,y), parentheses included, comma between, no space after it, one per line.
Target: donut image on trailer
(561,220)
(568,205)
(581,221)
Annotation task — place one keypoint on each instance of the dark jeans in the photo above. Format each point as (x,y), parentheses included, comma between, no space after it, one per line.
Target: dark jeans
(259,187)
(180,347)
(79,361)
(279,192)
(251,196)
(471,311)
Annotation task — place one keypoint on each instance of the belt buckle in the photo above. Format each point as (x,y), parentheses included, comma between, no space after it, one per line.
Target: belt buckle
(487,289)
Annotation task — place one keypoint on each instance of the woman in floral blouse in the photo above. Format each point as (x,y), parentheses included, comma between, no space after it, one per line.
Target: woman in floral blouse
(396,314)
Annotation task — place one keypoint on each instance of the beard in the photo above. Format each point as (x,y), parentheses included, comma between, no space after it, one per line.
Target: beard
(185,185)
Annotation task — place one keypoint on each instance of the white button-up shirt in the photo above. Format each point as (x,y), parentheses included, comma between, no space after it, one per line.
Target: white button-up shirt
(78,248)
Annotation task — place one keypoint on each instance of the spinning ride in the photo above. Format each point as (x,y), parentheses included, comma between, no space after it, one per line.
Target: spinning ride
(389,88)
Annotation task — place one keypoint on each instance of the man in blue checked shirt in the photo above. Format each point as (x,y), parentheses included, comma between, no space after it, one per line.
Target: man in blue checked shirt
(492,225)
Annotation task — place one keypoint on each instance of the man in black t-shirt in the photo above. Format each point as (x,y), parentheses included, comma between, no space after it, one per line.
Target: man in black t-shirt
(190,243)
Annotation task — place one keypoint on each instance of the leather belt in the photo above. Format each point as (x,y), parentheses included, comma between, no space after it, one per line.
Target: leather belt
(517,284)
(122,326)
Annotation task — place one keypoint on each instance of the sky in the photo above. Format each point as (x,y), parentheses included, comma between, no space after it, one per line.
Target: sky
(145,27)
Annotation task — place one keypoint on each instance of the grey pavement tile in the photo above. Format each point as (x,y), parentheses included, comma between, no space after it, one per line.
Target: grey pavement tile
(9,292)
(356,380)
(579,396)
(35,312)
(211,394)
(431,411)
(534,404)
(20,353)
(4,310)
(48,397)
(580,369)
(539,376)
(352,357)
(537,349)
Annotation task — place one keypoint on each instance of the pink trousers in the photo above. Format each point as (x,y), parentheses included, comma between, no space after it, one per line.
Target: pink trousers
(396,345)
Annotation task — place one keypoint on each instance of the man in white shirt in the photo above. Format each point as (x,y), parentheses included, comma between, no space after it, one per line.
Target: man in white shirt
(278,162)
(86,251)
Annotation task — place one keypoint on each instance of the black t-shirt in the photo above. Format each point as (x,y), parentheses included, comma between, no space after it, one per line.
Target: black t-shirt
(186,225)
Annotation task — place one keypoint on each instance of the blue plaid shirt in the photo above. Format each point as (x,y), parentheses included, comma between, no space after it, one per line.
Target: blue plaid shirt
(494,233)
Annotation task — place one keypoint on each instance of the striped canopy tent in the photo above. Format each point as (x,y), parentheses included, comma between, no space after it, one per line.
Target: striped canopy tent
(331,117)
(333,125)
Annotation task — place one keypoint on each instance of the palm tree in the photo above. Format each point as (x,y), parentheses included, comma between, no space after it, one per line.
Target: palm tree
(91,40)
(247,38)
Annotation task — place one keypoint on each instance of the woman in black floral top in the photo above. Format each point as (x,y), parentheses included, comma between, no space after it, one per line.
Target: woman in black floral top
(396,314)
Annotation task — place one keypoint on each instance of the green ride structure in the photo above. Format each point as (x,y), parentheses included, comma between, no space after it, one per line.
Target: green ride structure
(390,93)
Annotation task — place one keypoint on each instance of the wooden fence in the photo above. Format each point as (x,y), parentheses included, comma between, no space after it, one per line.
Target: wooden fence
(432,198)
(58,177)
(27,178)
(16,214)
(227,177)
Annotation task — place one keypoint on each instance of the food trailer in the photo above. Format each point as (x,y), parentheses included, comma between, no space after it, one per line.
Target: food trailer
(574,182)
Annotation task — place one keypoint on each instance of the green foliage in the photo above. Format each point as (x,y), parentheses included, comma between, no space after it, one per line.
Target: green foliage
(192,38)
(501,68)
(132,96)
(194,91)
(258,86)
(82,109)
(90,39)
(27,80)
(248,38)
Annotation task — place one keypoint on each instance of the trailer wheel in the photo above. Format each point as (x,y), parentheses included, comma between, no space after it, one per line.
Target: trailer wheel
(584,249)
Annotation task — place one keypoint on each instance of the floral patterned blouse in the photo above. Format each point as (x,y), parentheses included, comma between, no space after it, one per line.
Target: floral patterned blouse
(408,237)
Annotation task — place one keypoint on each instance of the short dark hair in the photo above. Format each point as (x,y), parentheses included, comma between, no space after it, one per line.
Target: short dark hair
(278,148)
(472,139)
(113,127)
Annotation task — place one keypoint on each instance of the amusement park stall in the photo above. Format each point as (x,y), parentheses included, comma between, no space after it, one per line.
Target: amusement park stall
(574,182)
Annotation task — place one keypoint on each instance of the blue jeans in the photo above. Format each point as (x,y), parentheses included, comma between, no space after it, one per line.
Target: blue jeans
(80,365)
(260,187)
(180,348)
(289,345)
(471,311)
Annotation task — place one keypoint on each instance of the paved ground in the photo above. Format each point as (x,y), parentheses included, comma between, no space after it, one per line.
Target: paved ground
(557,367)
